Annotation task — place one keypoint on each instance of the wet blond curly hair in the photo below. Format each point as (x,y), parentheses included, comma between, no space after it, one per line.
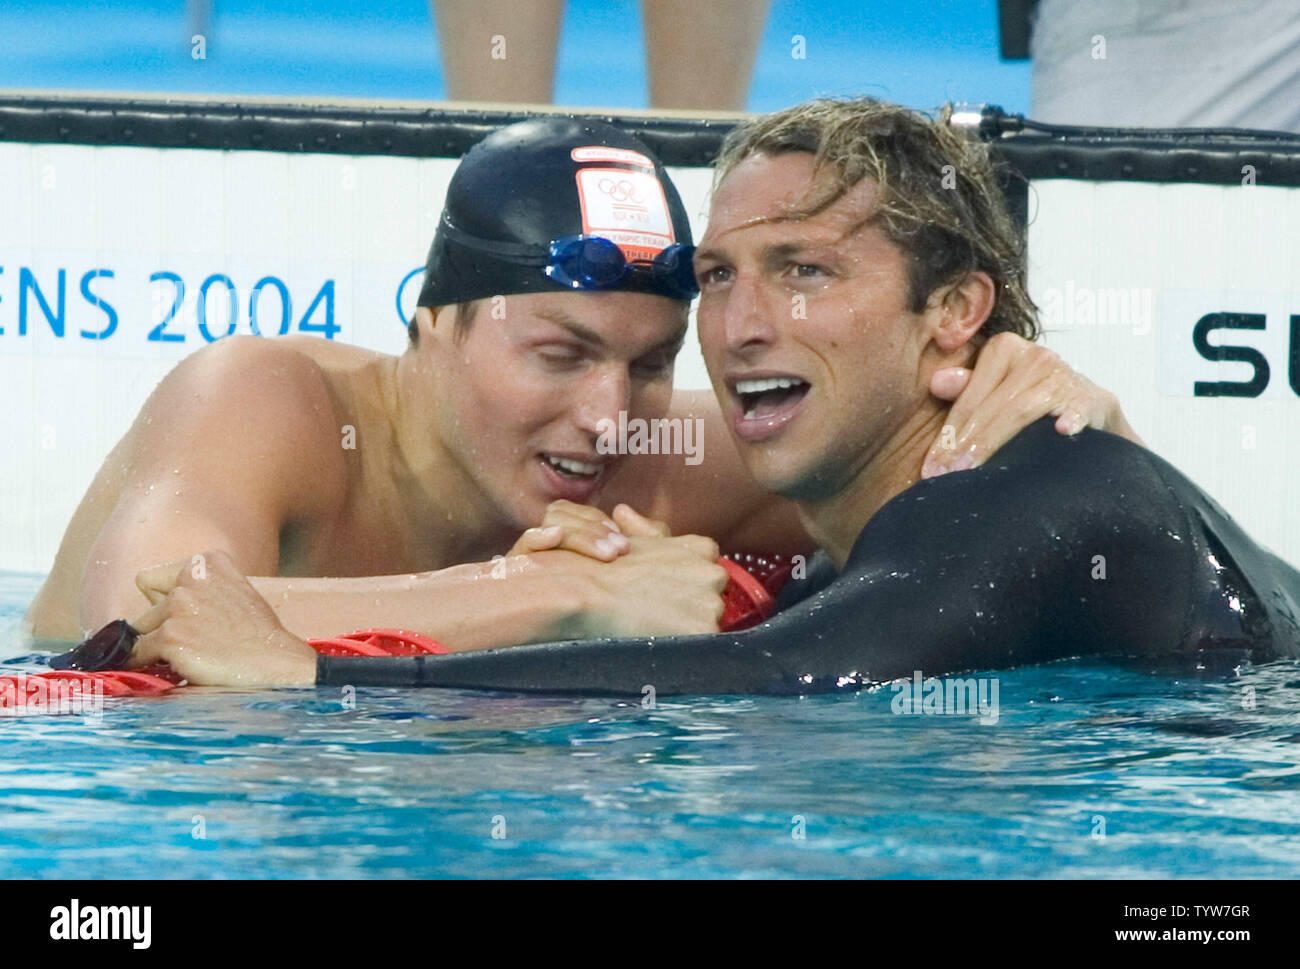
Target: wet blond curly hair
(939,197)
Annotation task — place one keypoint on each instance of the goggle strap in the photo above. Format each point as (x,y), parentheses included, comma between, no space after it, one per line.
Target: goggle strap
(514,251)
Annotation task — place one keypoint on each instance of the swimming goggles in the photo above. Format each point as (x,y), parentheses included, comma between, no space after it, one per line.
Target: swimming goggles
(593,262)
(588,262)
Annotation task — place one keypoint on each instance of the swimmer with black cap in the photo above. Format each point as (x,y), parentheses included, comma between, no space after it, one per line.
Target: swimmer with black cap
(556,297)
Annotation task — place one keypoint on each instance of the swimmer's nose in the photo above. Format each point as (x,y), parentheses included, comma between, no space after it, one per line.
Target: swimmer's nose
(607,391)
(746,320)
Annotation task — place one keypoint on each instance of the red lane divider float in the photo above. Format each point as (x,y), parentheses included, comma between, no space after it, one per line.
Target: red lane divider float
(751,593)
(74,691)
(747,600)
(379,642)
(63,690)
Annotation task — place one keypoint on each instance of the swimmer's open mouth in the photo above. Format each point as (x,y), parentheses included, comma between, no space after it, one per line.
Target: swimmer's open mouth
(572,468)
(572,477)
(762,398)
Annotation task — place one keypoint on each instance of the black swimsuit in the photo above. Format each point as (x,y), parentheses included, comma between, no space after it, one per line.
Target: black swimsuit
(1057,547)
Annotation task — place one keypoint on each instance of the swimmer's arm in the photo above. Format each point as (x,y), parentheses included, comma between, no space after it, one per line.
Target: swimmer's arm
(479,605)
(220,457)
(662,586)
(1015,382)
(220,630)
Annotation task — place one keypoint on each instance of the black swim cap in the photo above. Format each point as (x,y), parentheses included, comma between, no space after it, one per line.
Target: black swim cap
(529,184)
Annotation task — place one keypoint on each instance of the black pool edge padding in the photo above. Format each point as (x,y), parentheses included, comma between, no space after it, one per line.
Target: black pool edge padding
(1095,154)
(561,668)
(455,671)
(382,129)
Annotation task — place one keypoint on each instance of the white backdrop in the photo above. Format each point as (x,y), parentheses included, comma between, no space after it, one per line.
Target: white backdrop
(1170,255)
(136,257)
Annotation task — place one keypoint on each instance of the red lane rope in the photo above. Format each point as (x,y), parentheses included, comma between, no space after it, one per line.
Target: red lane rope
(379,642)
(47,692)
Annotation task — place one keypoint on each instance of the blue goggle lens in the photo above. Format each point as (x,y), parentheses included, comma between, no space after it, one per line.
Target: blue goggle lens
(592,262)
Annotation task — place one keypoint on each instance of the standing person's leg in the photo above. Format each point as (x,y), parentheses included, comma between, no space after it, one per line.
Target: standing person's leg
(701,55)
(498,50)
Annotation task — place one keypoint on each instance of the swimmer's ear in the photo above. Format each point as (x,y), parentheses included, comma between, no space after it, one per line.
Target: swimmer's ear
(427,319)
(960,309)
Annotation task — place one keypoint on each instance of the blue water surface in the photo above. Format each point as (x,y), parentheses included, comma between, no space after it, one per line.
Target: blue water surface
(1091,771)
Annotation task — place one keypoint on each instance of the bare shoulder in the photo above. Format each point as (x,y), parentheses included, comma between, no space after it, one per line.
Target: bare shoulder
(293,372)
(241,436)
(265,405)
(247,362)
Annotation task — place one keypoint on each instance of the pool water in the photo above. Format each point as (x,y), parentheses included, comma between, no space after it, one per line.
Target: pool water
(1092,770)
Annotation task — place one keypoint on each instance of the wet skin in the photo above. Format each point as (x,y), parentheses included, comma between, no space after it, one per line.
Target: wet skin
(448,464)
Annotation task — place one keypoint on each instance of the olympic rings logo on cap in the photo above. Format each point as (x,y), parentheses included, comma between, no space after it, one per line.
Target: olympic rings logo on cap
(621,191)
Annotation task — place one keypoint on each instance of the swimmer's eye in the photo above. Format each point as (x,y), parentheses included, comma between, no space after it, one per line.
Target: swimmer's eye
(560,357)
(713,276)
(808,270)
